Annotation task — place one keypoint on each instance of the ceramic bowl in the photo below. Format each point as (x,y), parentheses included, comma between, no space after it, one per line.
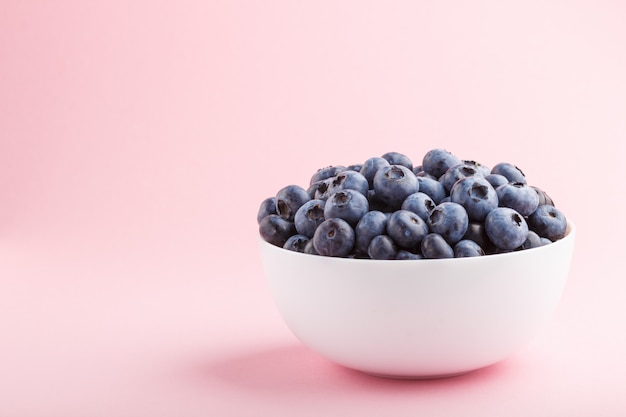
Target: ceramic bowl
(425,318)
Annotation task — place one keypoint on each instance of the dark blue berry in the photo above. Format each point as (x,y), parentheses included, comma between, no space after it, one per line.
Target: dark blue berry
(348,180)
(382,247)
(371,225)
(325,173)
(455,173)
(482,169)
(393,184)
(476,232)
(506,228)
(434,246)
(349,205)
(296,243)
(467,248)
(397,158)
(549,222)
(496,180)
(309,216)
(407,229)
(518,196)
(268,206)
(371,167)
(450,220)
(289,199)
(276,230)
(334,237)
(432,187)
(476,195)
(405,255)
(437,161)
(510,171)
(420,204)
(544,198)
(532,241)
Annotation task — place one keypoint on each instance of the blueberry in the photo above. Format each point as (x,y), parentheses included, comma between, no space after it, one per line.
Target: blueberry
(289,199)
(268,206)
(405,255)
(354,167)
(476,232)
(382,247)
(434,246)
(348,180)
(371,225)
(325,173)
(437,161)
(510,171)
(322,189)
(450,220)
(506,228)
(532,241)
(296,243)
(349,205)
(420,204)
(549,222)
(476,195)
(455,173)
(393,184)
(276,230)
(432,187)
(309,216)
(309,248)
(496,180)
(407,229)
(518,196)
(467,248)
(377,204)
(397,158)
(544,198)
(482,169)
(334,237)
(371,167)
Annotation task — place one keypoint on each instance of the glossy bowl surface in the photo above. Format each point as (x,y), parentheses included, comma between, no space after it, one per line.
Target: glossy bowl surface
(418,318)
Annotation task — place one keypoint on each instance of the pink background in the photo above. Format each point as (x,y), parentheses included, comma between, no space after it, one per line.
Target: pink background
(139,137)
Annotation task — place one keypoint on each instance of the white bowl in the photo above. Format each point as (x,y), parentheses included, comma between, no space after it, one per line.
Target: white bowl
(418,318)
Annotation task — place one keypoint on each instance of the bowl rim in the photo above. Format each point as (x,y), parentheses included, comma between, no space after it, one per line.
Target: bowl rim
(570,233)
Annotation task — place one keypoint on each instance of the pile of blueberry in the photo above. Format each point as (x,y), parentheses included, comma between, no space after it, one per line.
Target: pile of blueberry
(387,208)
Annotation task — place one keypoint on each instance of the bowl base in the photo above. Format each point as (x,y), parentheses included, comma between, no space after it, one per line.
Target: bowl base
(417,377)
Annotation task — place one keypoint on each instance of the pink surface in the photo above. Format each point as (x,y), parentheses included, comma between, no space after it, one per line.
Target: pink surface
(138,138)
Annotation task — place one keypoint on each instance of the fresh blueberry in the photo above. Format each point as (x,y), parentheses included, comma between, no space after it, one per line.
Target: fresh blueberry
(289,199)
(450,220)
(437,161)
(482,169)
(545,240)
(455,173)
(397,158)
(446,199)
(518,196)
(476,232)
(371,167)
(420,204)
(354,167)
(382,247)
(376,204)
(407,229)
(349,205)
(322,189)
(432,187)
(296,243)
(268,206)
(532,241)
(467,248)
(309,248)
(393,184)
(510,171)
(544,198)
(417,169)
(549,222)
(276,230)
(348,180)
(372,224)
(334,237)
(325,173)
(405,255)
(496,180)
(434,246)
(309,216)
(476,195)
(506,228)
